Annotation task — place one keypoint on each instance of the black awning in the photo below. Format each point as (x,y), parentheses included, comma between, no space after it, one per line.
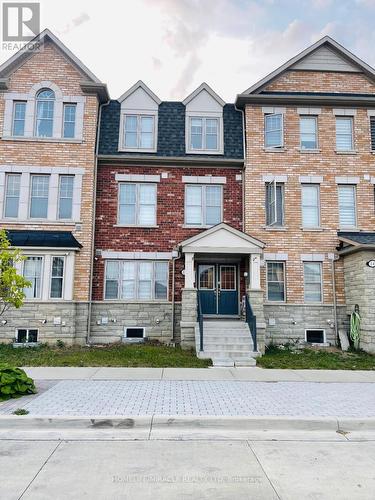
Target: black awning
(363,238)
(51,239)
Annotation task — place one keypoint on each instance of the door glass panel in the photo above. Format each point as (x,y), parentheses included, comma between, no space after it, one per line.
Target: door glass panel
(227,278)
(206,277)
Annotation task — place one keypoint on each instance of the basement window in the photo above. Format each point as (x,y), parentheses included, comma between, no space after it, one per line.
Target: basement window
(134,333)
(26,336)
(315,336)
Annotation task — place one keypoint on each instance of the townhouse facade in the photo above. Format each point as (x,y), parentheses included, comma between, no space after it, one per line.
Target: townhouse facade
(49,105)
(182,221)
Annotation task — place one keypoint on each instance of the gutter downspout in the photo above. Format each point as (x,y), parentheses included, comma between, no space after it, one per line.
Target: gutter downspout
(92,250)
(334,297)
(244,165)
(173,294)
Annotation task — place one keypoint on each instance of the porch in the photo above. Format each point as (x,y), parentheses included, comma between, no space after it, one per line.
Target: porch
(222,302)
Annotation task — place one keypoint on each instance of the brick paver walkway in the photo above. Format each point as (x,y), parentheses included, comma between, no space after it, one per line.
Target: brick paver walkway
(216,398)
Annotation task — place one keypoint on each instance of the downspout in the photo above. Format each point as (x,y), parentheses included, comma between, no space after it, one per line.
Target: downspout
(334,297)
(244,165)
(174,258)
(92,250)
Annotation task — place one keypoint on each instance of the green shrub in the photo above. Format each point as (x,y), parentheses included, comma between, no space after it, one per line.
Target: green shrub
(14,382)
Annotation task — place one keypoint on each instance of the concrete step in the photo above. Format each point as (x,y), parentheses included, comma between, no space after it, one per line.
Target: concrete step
(245,362)
(223,362)
(229,354)
(227,347)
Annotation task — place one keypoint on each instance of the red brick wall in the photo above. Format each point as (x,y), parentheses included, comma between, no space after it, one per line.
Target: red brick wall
(170,215)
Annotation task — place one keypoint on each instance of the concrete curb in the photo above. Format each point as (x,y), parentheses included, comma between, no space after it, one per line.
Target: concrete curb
(183,422)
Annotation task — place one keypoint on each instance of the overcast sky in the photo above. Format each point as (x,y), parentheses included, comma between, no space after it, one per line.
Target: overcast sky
(174,45)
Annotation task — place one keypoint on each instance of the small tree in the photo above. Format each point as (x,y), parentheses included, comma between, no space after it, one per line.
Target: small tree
(12,284)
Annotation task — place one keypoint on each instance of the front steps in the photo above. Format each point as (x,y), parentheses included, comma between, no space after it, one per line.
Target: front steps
(227,343)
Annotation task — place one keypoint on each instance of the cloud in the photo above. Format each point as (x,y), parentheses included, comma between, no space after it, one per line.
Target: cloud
(76,21)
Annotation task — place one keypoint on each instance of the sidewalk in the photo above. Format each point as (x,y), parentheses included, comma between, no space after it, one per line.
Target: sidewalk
(250,374)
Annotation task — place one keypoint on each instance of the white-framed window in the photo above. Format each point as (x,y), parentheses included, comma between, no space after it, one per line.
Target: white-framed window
(27,335)
(204,134)
(203,205)
(69,120)
(344,133)
(57,277)
(32,271)
(45,106)
(139,132)
(19,112)
(137,204)
(276,281)
(136,280)
(273,130)
(312,278)
(274,203)
(65,207)
(347,205)
(310,205)
(39,196)
(12,195)
(308,132)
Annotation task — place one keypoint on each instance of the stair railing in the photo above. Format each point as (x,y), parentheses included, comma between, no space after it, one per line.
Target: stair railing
(200,322)
(251,320)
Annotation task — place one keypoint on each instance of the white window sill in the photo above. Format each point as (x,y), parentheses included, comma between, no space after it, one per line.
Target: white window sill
(137,150)
(275,150)
(198,226)
(134,226)
(310,151)
(351,152)
(275,228)
(41,139)
(349,229)
(316,229)
(40,221)
(135,301)
(274,302)
(204,152)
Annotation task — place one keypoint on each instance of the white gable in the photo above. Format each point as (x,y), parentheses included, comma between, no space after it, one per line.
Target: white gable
(139,100)
(325,59)
(204,103)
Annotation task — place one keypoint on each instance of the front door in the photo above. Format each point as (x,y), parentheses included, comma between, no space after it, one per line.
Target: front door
(217,288)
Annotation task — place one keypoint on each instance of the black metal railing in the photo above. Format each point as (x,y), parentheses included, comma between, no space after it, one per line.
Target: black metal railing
(200,322)
(251,320)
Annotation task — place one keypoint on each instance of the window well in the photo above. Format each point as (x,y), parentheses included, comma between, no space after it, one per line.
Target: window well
(315,336)
(134,333)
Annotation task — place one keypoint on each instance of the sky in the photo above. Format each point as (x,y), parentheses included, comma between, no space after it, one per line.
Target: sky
(175,45)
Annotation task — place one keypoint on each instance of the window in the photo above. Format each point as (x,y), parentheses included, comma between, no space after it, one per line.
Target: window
(137,204)
(274,204)
(65,196)
(39,196)
(139,132)
(273,130)
(308,131)
(25,335)
(276,281)
(315,336)
(19,111)
(203,205)
(12,195)
(57,278)
(69,120)
(312,281)
(204,134)
(344,133)
(310,205)
(45,102)
(134,332)
(136,280)
(32,271)
(347,206)
(372,131)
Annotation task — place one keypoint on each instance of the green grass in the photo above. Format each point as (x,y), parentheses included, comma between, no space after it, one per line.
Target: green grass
(316,359)
(148,355)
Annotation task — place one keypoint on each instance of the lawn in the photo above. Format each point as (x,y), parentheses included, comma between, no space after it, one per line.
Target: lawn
(316,359)
(148,355)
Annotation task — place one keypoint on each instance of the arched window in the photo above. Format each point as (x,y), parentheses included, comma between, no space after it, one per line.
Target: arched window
(45,103)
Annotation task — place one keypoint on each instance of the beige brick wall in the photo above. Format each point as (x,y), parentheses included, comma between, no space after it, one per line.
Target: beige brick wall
(50,64)
(291,162)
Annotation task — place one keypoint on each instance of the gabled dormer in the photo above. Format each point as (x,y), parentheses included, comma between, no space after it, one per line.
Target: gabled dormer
(204,126)
(138,120)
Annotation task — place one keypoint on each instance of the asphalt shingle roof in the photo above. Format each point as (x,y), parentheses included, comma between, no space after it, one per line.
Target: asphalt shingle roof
(364,238)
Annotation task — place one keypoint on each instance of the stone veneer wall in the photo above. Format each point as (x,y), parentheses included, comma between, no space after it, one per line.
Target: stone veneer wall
(360,289)
(134,314)
(291,321)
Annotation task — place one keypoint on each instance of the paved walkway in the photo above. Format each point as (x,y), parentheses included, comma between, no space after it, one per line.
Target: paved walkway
(95,398)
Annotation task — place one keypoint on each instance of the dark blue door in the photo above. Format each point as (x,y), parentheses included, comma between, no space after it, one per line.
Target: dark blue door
(217,288)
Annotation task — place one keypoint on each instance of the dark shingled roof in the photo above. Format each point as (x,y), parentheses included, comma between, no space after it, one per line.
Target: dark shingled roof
(52,239)
(363,238)
(171,132)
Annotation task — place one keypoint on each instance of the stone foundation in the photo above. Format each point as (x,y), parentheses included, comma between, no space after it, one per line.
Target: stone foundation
(291,321)
(188,317)
(256,302)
